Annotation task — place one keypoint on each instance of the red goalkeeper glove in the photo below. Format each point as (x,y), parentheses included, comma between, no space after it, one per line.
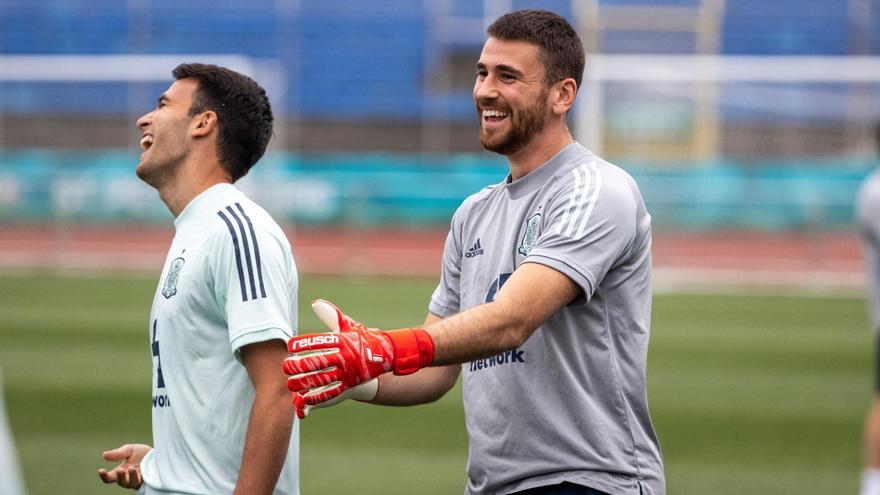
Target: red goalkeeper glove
(329,367)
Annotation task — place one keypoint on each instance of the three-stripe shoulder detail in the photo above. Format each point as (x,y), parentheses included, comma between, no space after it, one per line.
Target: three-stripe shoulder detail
(587,180)
(247,251)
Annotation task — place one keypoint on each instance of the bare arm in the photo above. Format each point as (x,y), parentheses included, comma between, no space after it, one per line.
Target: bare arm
(527,299)
(426,385)
(530,296)
(271,419)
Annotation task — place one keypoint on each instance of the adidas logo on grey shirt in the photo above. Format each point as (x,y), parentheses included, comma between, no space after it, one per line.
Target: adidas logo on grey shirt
(475,250)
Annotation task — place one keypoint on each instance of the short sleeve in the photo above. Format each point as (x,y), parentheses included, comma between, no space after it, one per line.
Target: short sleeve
(590,222)
(446,300)
(255,281)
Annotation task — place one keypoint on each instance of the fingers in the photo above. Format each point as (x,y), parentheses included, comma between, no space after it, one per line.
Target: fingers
(322,394)
(107,477)
(306,400)
(129,477)
(328,313)
(304,381)
(333,317)
(118,454)
(133,479)
(311,363)
(126,474)
(122,477)
(302,410)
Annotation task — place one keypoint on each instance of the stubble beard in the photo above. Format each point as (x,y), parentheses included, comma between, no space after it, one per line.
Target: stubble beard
(160,167)
(524,126)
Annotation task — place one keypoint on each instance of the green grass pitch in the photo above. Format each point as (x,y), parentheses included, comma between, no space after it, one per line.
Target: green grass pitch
(750,394)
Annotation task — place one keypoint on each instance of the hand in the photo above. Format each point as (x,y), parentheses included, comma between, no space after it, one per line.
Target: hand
(127,473)
(328,367)
(365,392)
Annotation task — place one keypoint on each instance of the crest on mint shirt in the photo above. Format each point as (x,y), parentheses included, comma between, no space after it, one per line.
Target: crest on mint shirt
(169,289)
(530,236)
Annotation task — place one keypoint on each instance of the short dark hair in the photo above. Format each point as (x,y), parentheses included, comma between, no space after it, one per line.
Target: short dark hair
(560,45)
(244,116)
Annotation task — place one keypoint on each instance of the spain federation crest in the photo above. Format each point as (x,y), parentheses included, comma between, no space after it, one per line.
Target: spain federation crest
(530,237)
(169,289)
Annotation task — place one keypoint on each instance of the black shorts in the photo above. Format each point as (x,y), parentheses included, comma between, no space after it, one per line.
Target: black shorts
(561,489)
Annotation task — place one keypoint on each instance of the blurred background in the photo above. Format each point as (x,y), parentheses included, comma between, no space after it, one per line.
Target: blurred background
(748,125)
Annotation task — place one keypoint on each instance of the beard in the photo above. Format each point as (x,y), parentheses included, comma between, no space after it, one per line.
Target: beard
(524,125)
(162,161)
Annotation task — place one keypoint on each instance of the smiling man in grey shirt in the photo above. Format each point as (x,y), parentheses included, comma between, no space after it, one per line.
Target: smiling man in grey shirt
(544,302)
(570,403)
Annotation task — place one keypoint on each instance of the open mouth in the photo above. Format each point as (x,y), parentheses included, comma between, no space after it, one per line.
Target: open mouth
(493,116)
(146,142)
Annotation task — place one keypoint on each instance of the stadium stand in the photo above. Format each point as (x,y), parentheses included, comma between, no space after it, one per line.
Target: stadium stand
(386,61)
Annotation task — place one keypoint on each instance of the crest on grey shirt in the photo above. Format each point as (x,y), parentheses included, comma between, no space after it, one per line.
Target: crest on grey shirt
(170,287)
(530,237)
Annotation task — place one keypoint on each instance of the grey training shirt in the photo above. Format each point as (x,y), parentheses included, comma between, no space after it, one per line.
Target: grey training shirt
(868,212)
(571,403)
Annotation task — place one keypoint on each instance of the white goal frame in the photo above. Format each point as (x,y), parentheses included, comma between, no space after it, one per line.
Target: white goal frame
(602,69)
(146,69)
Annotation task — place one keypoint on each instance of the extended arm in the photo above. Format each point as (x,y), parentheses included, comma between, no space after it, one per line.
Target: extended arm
(527,299)
(271,419)
(426,385)
(530,296)
(325,366)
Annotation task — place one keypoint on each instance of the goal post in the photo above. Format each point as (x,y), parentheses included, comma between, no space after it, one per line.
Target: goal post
(749,165)
(683,107)
(133,72)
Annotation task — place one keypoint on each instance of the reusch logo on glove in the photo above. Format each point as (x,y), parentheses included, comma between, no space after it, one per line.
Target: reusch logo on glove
(316,340)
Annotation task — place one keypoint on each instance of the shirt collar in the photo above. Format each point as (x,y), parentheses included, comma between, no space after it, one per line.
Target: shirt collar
(203,200)
(538,177)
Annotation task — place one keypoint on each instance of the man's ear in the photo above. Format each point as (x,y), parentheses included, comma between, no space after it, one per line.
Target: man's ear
(563,94)
(204,123)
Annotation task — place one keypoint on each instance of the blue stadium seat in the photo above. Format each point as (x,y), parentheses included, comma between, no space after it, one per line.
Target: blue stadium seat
(803,27)
(358,60)
(663,3)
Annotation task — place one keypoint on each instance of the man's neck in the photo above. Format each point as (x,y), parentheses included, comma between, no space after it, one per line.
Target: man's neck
(189,183)
(541,149)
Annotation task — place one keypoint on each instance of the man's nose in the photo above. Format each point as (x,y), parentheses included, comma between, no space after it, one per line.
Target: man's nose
(144,121)
(486,89)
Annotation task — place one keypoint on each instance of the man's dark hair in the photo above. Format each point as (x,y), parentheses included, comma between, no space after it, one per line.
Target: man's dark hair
(244,116)
(561,47)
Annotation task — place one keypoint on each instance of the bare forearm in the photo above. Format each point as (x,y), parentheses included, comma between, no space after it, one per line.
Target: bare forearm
(422,387)
(478,332)
(481,331)
(531,295)
(427,385)
(266,444)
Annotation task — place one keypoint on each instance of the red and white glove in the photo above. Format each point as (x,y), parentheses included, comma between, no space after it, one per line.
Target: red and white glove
(327,368)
